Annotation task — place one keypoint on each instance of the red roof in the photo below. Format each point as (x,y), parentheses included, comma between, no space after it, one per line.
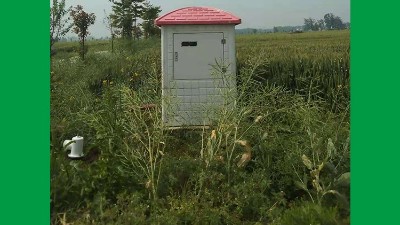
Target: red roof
(197,15)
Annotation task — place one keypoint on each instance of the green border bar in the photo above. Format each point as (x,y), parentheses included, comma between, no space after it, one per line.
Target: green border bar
(375,112)
(24,119)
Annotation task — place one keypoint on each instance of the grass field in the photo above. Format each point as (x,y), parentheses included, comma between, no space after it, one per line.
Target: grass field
(292,113)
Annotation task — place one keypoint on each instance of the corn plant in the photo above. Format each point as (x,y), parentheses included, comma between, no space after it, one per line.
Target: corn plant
(315,165)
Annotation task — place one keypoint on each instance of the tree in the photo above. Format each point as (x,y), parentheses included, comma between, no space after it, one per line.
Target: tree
(138,8)
(320,24)
(122,17)
(333,22)
(275,29)
(329,18)
(338,23)
(108,21)
(137,31)
(309,24)
(125,16)
(82,21)
(150,13)
(58,23)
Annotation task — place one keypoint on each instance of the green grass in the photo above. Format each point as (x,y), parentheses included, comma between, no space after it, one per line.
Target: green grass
(70,49)
(296,85)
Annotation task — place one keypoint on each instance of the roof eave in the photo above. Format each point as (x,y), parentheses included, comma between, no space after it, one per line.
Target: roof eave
(166,23)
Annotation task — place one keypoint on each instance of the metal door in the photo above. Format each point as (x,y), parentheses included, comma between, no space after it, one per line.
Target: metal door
(193,58)
(195,53)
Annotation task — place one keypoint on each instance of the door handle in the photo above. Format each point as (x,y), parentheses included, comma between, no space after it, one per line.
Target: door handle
(176,56)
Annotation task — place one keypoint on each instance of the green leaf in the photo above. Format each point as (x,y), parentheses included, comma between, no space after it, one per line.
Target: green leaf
(330,168)
(342,198)
(248,111)
(332,192)
(305,178)
(307,162)
(300,185)
(344,179)
(346,146)
(265,136)
(320,167)
(330,148)
(309,132)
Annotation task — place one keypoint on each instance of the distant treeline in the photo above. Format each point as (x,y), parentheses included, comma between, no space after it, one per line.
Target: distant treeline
(271,30)
(71,38)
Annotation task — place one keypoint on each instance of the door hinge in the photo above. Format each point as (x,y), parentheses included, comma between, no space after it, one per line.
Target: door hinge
(223,41)
(176,57)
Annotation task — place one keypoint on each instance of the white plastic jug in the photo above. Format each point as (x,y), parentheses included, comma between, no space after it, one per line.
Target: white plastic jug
(76,147)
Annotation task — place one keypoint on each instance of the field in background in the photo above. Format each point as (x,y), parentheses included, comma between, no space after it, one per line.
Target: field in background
(292,110)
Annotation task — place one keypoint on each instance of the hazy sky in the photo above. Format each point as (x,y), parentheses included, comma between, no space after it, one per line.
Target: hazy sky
(254,13)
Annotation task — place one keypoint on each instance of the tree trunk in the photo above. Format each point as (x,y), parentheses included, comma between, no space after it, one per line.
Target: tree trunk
(112,43)
(83,49)
(134,31)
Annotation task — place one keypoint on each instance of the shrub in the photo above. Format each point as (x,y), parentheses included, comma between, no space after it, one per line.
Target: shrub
(308,213)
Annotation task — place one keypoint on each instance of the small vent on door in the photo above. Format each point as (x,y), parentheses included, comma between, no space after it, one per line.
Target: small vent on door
(188,43)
